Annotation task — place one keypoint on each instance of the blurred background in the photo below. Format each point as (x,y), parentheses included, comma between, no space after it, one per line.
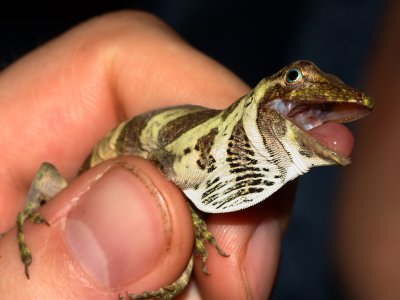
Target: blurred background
(333,248)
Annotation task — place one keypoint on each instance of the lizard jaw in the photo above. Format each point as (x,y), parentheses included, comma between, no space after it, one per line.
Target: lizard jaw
(321,120)
(313,114)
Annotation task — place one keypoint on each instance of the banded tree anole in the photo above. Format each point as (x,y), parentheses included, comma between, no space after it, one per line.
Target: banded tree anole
(227,160)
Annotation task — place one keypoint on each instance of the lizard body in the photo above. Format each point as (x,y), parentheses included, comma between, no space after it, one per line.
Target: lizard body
(228,160)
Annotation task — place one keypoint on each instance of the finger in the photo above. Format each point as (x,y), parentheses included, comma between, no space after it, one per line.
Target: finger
(252,238)
(58,101)
(119,227)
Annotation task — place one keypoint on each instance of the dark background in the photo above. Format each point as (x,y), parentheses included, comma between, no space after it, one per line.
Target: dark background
(254,39)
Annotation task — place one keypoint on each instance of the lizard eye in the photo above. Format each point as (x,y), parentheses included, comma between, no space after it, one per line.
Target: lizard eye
(294,75)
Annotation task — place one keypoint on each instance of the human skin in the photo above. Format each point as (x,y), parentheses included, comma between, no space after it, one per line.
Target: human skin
(368,216)
(121,226)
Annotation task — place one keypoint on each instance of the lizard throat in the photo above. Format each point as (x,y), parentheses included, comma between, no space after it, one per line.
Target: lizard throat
(322,121)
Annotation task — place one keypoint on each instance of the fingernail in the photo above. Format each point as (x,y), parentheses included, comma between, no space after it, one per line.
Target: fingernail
(260,260)
(117,229)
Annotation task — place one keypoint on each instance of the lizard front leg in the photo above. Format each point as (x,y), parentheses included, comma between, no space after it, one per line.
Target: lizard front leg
(203,236)
(46,184)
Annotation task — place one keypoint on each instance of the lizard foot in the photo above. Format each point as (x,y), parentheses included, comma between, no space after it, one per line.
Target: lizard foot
(46,184)
(169,291)
(203,236)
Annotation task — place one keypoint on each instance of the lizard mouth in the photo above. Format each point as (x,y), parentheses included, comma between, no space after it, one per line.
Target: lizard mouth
(322,120)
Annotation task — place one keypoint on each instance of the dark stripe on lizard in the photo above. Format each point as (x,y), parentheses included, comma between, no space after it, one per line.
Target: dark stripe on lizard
(175,128)
(129,138)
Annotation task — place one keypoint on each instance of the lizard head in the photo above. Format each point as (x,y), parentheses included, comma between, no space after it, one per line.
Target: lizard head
(303,107)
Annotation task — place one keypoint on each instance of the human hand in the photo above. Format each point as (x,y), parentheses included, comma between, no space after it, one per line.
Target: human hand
(108,233)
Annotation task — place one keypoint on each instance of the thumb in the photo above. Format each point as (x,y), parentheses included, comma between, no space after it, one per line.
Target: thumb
(120,227)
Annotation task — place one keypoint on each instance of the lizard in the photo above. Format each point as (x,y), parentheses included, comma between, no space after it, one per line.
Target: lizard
(226,160)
